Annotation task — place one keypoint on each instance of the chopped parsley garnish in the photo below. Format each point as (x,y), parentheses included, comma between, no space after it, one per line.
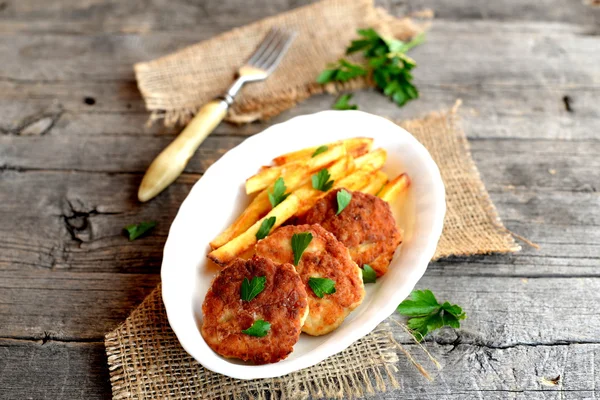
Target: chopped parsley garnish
(259,328)
(343,199)
(251,289)
(300,242)
(320,180)
(343,71)
(319,150)
(368,274)
(136,230)
(265,227)
(278,194)
(321,286)
(427,315)
(342,103)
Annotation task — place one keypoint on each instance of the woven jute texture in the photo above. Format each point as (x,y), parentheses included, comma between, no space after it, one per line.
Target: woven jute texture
(146,360)
(174,87)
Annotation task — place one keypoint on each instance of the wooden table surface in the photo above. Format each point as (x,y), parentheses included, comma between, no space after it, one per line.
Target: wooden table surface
(74,147)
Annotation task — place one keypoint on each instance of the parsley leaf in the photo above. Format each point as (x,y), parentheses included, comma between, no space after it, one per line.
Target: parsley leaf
(300,242)
(136,230)
(426,314)
(343,199)
(387,63)
(251,289)
(321,286)
(368,274)
(278,194)
(259,328)
(342,103)
(343,71)
(319,150)
(320,180)
(265,227)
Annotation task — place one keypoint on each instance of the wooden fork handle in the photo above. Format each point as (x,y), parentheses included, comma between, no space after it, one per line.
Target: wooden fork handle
(171,162)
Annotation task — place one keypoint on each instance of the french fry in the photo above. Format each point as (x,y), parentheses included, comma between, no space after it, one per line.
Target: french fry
(355,147)
(392,189)
(266,177)
(229,251)
(376,184)
(356,180)
(373,160)
(261,205)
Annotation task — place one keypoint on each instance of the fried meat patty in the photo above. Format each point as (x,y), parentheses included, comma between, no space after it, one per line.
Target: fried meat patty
(366,227)
(325,257)
(283,303)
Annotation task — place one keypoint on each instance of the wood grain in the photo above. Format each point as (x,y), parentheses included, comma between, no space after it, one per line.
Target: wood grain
(74,146)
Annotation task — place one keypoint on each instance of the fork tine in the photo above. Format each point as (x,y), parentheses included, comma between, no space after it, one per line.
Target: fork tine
(262,46)
(282,47)
(269,50)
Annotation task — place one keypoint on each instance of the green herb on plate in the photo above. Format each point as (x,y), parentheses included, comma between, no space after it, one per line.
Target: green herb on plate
(320,180)
(321,286)
(259,328)
(300,242)
(319,150)
(343,199)
(278,194)
(265,227)
(368,274)
(252,288)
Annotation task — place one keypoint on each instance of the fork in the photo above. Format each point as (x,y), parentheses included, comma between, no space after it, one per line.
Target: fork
(170,163)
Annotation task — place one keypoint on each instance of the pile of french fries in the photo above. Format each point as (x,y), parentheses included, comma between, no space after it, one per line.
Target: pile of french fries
(351,164)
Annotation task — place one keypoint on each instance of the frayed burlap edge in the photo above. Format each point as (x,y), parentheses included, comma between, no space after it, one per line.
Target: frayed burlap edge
(472,224)
(146,361)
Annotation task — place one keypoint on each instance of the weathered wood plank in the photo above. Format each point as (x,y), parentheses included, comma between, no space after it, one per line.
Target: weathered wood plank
(502,311)
(76,370)
(70,16)
(490,110)
(42,305)
(455,52)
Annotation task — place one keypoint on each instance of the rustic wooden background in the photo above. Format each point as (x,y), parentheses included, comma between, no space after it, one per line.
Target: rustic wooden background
(73,148)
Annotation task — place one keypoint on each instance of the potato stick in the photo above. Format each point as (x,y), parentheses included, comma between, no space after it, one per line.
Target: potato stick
(229,251)
(261,205)
(356,180)
(373,160)
(257,208)
(354,146)
(376,184)
(392,189)
(266,177)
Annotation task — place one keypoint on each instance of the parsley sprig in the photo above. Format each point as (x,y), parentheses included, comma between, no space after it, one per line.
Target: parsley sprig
(426,314)
(321,286)
(387,63)
(368,274)
(321,181)
(135,231)
(300,242)
(343,199)
(278,194)
(343,71)
(319,150)
(259,328)
(342,103)
(265,227)
(252,288)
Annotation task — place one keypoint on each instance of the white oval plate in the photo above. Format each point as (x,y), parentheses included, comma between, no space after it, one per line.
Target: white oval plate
(219,197)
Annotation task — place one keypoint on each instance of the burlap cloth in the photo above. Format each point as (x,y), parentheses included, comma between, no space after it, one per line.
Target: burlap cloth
(144,357)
